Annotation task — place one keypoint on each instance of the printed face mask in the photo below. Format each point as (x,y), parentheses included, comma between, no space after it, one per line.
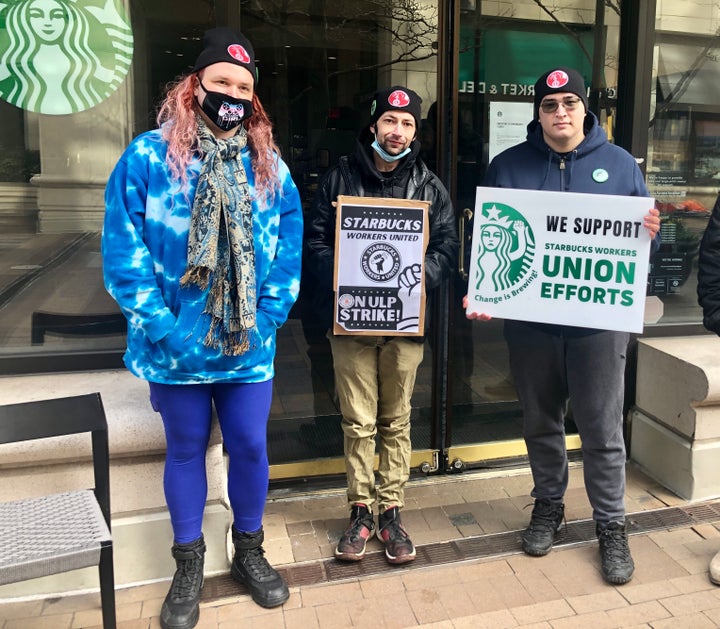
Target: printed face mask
(226,112)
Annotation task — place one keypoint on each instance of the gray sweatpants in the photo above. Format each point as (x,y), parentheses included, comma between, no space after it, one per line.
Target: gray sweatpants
(589,371)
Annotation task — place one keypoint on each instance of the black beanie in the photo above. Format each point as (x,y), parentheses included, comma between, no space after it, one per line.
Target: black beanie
(226,44)
(396,97)
(560,80)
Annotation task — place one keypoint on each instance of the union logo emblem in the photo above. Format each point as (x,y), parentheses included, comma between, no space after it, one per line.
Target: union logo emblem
(557,79)
(236,51)
(399,99)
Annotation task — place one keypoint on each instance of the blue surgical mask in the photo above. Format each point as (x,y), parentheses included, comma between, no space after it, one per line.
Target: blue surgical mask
(385,156)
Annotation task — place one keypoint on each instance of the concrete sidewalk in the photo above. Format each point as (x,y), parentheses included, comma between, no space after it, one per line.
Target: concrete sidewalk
(672,546)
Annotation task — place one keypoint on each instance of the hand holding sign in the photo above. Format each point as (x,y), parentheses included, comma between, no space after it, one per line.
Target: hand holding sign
(479,316)
(652,222)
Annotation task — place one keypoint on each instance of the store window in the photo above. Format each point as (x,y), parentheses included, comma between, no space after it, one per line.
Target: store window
(96,74)
(683,166)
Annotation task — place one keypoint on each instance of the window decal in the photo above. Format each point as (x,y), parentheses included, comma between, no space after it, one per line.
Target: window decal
(62,56)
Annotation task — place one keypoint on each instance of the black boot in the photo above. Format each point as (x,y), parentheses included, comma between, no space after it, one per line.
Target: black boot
(615,560)
(545,523)
(249,566)
(181,608)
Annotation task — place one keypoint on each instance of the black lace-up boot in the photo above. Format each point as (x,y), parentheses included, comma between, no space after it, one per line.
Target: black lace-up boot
(249,567)
(616,563)
(181,608)
(545,523)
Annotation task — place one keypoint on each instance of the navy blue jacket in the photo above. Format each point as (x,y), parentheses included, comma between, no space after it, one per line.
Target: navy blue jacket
(533,165)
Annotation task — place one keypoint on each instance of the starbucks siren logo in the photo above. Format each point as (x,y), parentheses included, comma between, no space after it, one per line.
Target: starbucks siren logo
(505,250)
(62,56)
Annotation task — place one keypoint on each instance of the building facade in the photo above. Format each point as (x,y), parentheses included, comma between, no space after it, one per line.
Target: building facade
(654,71)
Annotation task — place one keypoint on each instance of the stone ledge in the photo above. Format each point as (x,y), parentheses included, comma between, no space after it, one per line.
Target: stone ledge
(675,425)
(141,554)
(678,383)
(134,428)
(142,534)
(137,444)
(690,469)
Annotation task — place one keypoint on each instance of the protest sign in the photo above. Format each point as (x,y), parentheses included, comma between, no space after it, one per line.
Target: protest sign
(560,257)
(380,266)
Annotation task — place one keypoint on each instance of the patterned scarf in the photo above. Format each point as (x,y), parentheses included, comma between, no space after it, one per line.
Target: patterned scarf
(221,251)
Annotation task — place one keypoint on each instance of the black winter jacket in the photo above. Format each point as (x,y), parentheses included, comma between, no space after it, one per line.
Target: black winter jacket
(708,287)
(356,175)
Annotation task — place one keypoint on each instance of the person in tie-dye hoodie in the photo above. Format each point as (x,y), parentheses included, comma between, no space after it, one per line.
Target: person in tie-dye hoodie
(201,247)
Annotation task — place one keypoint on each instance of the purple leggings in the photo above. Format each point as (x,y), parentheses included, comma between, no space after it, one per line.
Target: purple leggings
(186,412)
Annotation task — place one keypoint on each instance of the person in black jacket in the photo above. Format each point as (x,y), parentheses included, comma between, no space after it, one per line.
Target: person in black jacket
(708,291)
(375,375)
(708,287)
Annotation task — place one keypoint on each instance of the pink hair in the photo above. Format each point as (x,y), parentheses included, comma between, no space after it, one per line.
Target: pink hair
(179,110)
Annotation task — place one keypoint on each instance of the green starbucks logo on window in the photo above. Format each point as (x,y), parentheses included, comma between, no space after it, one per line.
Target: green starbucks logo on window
(505,250)
(62,56)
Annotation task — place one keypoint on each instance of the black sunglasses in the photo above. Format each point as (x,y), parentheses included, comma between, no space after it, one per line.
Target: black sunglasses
(550,106)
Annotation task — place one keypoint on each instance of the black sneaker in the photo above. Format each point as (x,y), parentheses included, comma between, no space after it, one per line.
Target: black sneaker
(351,546)
(545,523)
(398,546)
(616,562)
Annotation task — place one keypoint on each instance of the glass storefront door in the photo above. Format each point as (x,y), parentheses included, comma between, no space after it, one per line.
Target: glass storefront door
(319,68)
(499,60)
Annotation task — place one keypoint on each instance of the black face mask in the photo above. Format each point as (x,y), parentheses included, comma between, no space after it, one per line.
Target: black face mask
(225,112)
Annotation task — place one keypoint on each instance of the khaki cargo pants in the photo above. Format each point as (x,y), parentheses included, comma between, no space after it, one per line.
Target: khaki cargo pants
(374,380)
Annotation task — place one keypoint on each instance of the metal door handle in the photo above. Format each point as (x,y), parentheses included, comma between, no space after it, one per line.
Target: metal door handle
(467,215)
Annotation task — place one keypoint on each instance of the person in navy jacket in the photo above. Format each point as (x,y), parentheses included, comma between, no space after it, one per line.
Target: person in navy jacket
(566,150)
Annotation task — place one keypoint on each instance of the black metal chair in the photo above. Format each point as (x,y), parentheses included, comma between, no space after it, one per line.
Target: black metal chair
(57,533)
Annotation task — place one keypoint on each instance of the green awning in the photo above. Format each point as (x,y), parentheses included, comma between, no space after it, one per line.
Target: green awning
(498,57)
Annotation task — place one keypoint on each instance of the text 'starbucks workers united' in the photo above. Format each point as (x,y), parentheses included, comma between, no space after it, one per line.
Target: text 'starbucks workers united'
(560,257)
(62,56)
(503,252)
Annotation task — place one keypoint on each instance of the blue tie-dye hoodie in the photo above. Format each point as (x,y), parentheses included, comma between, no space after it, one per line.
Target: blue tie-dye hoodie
(144,247)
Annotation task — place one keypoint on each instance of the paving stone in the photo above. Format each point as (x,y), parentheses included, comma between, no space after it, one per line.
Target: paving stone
(541,612)
(562,590)
(684,604)
(635,614)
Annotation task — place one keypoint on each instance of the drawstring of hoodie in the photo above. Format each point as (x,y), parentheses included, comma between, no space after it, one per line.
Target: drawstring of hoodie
(571,159)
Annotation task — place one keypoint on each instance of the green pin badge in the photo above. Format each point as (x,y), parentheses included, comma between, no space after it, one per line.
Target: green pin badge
(600,175)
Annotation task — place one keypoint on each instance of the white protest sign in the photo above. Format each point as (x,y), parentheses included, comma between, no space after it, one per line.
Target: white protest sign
(380,266)
(560,257)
